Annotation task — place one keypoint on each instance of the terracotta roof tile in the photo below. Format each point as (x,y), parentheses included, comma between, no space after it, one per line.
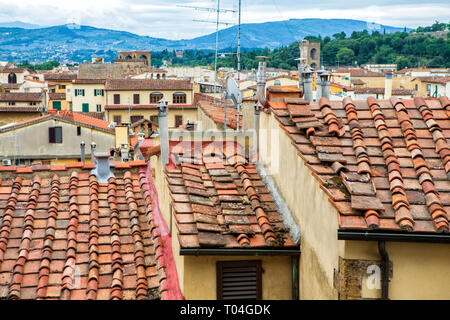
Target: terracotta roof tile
(220,201)
(396,169)
(64,235)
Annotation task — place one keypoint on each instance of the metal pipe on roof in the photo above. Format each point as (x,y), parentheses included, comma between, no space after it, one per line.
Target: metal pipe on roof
(261,82)
(164,131)
(384,270)
(393,236)
(239,252)
(307,84)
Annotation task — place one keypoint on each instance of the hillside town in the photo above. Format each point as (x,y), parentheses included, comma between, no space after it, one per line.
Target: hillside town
(120,180)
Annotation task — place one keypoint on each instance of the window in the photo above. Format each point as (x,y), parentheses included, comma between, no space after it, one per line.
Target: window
(239,280)
(85,107)
(12,78)
(179,98)
(55,135)
(178,121)
(99,92)
(136,118)
(57,105)
(277,83)
(117,119)
(99,108)
(11,103)
(428,87)
(62,87)
(78,131)
(79,92)
(155,97)
(33,103)
(117,99)
(154,119)
(136,98)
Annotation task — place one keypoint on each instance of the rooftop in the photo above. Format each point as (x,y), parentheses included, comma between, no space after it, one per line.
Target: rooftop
(384,164)
(220,201)
(64,235)
(217,113)
(20,97)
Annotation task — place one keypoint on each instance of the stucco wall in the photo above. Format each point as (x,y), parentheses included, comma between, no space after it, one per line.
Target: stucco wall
(190,114)
(316,217)
(32,141)
(12,117)
(420,270)
(89,97)
(126,97)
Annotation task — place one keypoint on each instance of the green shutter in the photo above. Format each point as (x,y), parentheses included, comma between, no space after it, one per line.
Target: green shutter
(83,92)
(103,93)
(95,92)
(85,107)
(57,105)
(76,92)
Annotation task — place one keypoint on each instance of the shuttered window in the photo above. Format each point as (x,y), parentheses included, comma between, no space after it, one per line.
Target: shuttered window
(178,121)
(55,135)
(117,99)
(136,99)
(239,280)
(136,118)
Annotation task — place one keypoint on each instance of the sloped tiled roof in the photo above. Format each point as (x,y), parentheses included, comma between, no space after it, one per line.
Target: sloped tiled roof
(220,201)
(20,97)
(64,235)
(63,76)
(217,113)
(384,165)
(56,96)
(73,117)
(395,92)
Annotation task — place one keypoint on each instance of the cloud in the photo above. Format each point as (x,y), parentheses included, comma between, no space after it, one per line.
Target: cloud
(164,19)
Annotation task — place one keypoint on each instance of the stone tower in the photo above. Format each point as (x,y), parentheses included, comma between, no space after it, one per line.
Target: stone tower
(310,51)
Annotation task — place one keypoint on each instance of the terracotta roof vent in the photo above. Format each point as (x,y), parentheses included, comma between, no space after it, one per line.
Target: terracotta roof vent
(102,169)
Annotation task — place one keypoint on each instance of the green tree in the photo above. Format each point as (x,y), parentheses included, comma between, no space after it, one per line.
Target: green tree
(345,56)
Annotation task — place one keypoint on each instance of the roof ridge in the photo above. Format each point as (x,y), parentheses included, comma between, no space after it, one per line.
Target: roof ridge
(8,216)
(94,272)
(423,172)
(72,228)
(24,248)
(330,117)
(400,202)
(117,261)
(47,250)
(139,254)
(359,146)
(442,146)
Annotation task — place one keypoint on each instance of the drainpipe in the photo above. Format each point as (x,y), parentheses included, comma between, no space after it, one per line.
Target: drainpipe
(164,131)
(307,84)
(261,81)
(83,154)
(295,260)
(384,270)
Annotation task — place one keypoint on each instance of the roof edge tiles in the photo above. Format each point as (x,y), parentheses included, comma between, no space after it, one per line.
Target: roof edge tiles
(422,169)
(400,202)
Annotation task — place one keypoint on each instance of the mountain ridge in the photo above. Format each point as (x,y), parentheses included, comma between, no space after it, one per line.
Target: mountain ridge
(72,42)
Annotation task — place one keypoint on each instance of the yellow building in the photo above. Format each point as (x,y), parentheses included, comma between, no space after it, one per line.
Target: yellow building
(360,240)
(87,95)
(57,101)
(221,251)
(62,81)
(16,107)
(131,100)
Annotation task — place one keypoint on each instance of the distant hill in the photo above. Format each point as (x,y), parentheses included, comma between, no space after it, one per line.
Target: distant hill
(75,43)
(19,24)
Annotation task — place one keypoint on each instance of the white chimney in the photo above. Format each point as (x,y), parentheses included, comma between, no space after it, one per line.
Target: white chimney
(261,81)
(307,84)
(388,86)
(164,131)
(102,169)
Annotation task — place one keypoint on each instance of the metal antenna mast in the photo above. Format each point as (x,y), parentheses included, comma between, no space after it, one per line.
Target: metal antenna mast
(239,61)
(217,23)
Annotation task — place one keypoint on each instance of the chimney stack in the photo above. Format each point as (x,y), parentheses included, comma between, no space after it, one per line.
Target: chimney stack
(261,81)
(164,131)
(307,84)
(102,169)
(83,152)
(319,84)
(325,81)
(388,85)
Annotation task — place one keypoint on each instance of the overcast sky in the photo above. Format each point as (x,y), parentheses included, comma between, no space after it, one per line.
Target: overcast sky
(166,19)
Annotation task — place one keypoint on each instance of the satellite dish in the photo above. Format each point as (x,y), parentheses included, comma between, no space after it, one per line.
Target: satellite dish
(233,91)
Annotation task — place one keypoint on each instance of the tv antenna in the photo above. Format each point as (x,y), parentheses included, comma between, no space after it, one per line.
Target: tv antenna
(218,10)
